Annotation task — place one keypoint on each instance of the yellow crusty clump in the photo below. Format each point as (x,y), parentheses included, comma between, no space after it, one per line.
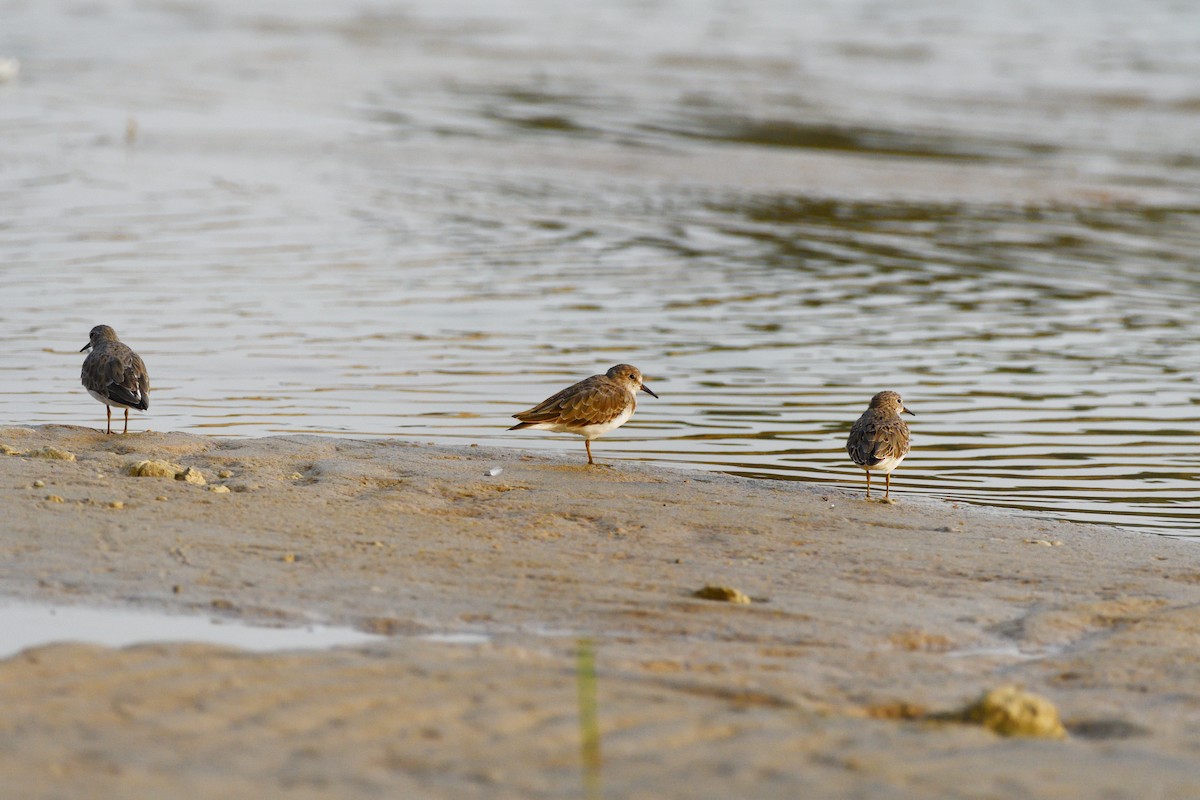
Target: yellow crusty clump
(723,593)
(1011,711)
(154,469)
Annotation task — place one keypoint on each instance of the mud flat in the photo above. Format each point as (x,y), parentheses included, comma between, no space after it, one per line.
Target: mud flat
(868,624)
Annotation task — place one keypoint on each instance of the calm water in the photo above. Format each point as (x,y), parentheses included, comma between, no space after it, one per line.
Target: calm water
(415,219)
(25,625)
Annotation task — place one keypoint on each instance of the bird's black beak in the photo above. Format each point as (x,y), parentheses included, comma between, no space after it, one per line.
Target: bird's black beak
(646,389)
(906,411)
(87,346)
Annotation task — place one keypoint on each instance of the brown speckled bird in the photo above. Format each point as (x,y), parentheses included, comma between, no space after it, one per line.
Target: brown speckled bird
(590,408)
(879,440)
(114,374)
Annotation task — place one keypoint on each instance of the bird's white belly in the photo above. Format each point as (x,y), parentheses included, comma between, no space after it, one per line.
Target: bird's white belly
(589,432)
(886,465)
(106,400)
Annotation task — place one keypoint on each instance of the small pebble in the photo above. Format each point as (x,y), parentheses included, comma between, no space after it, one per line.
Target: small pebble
(116,504)
(224,474)
(53,498)
(295,476)
(219,489)
(161,497)
(494,471)
(289,558)
(38,484)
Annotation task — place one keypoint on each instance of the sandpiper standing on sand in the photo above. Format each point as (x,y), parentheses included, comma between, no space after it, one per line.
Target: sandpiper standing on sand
(879,440)
(590,408)
(114,374)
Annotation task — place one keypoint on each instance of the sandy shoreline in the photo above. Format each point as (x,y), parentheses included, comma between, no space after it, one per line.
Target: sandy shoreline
(861,612)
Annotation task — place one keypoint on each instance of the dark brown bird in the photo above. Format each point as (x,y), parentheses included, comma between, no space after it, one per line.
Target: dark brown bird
(114,374)
(879,440)
(590,408)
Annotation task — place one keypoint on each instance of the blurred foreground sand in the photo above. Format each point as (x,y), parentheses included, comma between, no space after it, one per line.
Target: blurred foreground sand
(864,616)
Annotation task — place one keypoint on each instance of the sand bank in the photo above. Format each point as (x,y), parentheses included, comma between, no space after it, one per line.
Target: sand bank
(863,616)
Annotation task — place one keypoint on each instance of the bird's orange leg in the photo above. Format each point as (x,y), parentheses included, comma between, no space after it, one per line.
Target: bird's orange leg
(588,444)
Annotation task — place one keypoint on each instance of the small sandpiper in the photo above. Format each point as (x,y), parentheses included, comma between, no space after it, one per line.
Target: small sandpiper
(114,374)
(590,408)
(879,440)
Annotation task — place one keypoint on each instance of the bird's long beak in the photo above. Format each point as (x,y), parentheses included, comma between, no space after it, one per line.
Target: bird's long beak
(87,346)
(646,389)
(906,411)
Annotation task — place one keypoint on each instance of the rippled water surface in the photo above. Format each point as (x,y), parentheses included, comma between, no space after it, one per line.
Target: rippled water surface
(415,219)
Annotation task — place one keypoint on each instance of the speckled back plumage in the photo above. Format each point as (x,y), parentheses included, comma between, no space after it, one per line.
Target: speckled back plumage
(879,440)
(113,373)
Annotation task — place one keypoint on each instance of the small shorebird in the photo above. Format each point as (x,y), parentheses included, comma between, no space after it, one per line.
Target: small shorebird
(114,374)
(879,439)
(590,408)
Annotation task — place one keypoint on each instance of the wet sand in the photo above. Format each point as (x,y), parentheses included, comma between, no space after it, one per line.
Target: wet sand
(864,616)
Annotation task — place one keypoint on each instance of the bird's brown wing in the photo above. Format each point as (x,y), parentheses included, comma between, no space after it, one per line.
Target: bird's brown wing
(122,376)
(860,445)
(592,401)
(136,376)
(892,439)
(872,440)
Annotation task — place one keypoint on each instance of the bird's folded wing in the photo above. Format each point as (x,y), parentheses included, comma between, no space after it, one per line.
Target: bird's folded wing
(588,402)
(890,440)
(860,445)
(125,377)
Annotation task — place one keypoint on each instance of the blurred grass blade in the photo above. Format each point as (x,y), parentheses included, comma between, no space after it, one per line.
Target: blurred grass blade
(589,719)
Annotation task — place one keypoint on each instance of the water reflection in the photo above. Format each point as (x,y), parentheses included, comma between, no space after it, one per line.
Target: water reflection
(416,225)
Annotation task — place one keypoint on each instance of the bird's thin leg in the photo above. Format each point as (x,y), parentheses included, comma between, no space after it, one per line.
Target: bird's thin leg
(126,421)
(888,491)
(108,414)
(588,444)
(868,484)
